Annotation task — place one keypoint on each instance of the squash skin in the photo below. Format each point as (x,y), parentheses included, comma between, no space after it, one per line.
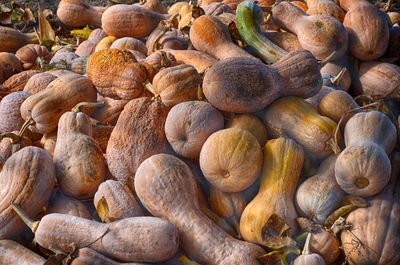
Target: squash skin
(242,85)
(177,84)
(317,196)
(231,159)
(120,200)
(320,34)
(27,179)
(199,60)
(211,36)
(138,134)
(29,53)
(166,187)
(189,124)
(11,39)
(130,21)
(67,205)
(325,7)
(61,95)
(368,29)
(79,161)
(76,13)
(363,167)
(14,253)
(377,226)
(10,116)
(147,239)
(283,159)
(251,123)
(88,256)
(297,119)
(18,81)
(88,46)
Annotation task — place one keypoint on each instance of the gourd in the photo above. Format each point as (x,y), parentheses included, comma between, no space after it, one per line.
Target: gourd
(378,79)
(138,134)
(177,84)
(211,36)
(18,81)
(154,5)
(148,239)
(251,123)
(161,59)
(9,65)
(199,60)
(88,46)
(10,116)
(368,29)
(101,134)
(363,167)
(308,258)
(130,21)
(374,231)
(88,256)
(109,113)
(119,200)
(60,203)
(129,43)
(283,159)
(39,82)
(78,65)
(296,118)
(286,40)
(243,85)
(78,158)
(248,18)
(231,159)
(105,43)
(317,196)
(32,55)
(116,73)
(333,68)
(61,95)
(11,39)
(320,34)
(13,253)
(335,105)
(216,8)
(325,7)
(76,13)
(167,188)
(189,124)
(27,179)
(63,59)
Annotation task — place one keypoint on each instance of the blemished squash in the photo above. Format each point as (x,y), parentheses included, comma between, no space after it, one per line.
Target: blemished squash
(79,161)
(320,34)
(231,159)
(298,119)
(244,85)
(283,160)
(363,167)
(167,188)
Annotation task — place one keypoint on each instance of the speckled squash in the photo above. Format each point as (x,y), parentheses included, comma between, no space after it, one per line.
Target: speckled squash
(138,134)
(60,203)
(363,167)
(177,84)
(78,158)
(109,113)
(9,146)
(18,81)
(325,7)
(10,116)
(283,159)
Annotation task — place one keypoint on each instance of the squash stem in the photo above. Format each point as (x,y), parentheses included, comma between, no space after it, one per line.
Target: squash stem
(28,122)
(32,37)
(13,137)
(149,87)
(306,249)
(388,5)
(326,60)
(33,225)
(80,105)
(336,80)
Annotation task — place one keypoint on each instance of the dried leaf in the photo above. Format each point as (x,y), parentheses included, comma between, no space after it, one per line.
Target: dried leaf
(186,261)
(27,16)
(47,36)
(275,233)
(271,258)
(197,12)
(5,15)
(347,204)
(233,30)
(85,32)
(102,209)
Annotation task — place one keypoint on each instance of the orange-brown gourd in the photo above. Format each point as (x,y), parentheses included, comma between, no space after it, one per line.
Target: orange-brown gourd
(76,13)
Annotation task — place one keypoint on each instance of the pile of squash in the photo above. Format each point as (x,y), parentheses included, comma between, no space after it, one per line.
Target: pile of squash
(231,132)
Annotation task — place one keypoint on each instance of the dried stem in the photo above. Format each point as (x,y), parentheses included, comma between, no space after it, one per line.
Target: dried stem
(306,248)
(336,80)
(326,60)
(80,105)
(33,225)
